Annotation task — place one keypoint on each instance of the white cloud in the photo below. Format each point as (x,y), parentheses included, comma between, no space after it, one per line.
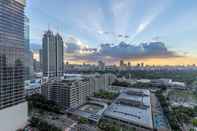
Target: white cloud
(74,45)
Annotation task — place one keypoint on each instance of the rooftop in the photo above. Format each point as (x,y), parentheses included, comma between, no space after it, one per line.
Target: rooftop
(132,105)
(93,110)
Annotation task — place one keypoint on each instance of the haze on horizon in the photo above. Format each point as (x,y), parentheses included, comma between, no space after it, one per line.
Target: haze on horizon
(111,30)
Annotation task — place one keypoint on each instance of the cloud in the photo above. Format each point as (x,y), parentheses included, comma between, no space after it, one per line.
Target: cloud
(144,50)
(112,53)
(74,45)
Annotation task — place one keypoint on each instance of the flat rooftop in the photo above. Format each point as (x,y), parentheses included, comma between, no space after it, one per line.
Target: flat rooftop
(133,106)
(92,110)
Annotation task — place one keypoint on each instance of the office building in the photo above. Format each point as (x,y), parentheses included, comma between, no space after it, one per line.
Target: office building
(53,54)
(41,58)
(12,103)
(28,60)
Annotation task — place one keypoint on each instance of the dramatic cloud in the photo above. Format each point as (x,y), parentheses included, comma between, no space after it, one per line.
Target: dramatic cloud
(73,46)
(112,53)
(144,50)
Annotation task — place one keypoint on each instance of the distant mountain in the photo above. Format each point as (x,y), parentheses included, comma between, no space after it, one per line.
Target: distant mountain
(35,47)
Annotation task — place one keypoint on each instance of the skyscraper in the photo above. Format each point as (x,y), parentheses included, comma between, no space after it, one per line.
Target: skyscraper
(28,61)
(11,52)
(53,55)
(41,58)
(59,55)
(12,64)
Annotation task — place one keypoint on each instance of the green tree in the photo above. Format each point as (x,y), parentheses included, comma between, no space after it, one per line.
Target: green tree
(83,120)
(194,122)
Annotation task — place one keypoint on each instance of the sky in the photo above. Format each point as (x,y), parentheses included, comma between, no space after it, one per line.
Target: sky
(111,30)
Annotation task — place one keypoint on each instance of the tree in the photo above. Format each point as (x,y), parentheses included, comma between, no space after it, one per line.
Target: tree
(194,122)
(40,102)
(83,120)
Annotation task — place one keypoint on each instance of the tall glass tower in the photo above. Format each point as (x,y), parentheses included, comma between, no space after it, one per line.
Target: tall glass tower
(53,54)
(11,52)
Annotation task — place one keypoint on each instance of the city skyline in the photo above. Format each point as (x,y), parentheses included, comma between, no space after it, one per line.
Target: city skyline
(88,24)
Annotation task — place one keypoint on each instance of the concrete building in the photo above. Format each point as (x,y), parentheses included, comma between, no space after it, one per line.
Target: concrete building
(73,90)
(69,93)
(101,82)
(92,110)
(13,109)
(53,54)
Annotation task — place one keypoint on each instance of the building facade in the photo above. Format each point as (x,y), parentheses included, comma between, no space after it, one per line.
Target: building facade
(53,55)
(13,108)
(68,93)
(72,91)
(11,53)
(28,60)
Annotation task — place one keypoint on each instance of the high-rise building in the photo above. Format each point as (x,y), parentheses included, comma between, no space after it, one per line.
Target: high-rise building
(27,33)
(28,60)
(53,55)
(11,53)
(12,102)
(41,58)
(122,63)
(59,55)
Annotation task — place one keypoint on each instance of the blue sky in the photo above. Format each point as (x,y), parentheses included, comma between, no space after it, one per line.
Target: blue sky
(102,21)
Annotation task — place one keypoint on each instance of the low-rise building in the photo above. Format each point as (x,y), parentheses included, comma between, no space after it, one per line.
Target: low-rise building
(92,111)
(69,93)
(132,109)
(73,90)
